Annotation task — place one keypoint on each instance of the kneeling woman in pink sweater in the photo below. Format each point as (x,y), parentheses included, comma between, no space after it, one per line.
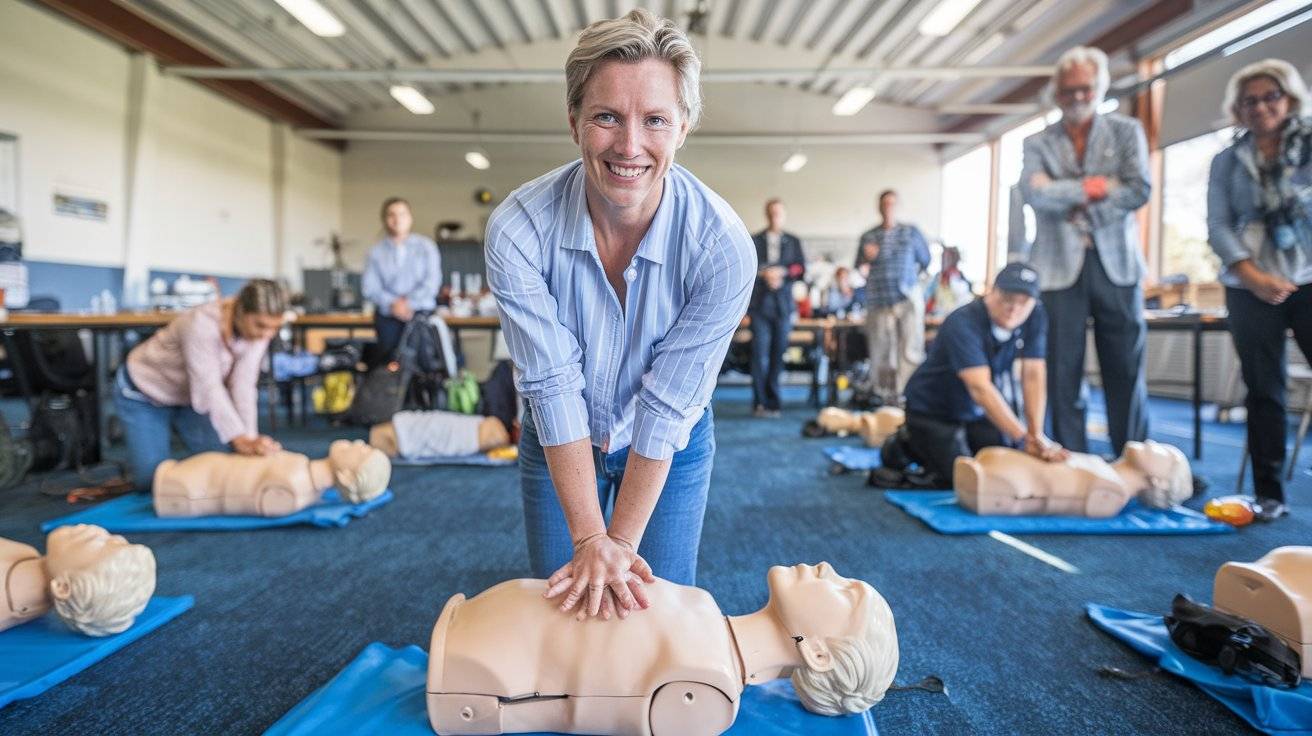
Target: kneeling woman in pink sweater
(198,376)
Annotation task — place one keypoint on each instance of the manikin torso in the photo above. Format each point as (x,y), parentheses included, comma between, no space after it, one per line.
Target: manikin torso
(1007,482)
(25,581)
(501,645)
(1276,592)
(222,484)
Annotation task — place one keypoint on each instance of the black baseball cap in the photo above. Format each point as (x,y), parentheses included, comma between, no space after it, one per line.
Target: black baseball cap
(1020,278)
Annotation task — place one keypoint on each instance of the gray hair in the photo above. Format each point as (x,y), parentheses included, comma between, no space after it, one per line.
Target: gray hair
(637,36)
(1077,56)
(863,667)
(1280,71)
(107,597)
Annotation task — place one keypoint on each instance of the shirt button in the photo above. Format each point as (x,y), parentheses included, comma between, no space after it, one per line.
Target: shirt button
(630,274)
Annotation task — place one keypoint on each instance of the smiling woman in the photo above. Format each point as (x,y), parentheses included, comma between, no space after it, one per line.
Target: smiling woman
(621,279)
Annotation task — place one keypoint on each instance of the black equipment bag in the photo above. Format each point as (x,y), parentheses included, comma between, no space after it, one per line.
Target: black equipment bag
(1234,644)
(412,380)
(63,435)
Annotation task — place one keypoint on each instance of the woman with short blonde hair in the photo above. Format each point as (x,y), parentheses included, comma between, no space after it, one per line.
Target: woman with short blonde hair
(620,279)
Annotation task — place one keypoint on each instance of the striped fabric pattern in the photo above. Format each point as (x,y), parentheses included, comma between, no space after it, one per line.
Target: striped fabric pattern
(640,374)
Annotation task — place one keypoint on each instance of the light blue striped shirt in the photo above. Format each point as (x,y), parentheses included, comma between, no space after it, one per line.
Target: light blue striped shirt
(640,376)
(413,272)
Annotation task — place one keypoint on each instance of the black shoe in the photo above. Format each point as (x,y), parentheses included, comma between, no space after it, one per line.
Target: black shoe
(1269,509)
(813,429)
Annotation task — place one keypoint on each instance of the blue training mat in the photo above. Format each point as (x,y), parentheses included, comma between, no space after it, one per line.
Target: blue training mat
(941,512)
(854,457)
(382,691)
(1269,709)
(477,458)
(135,513)
(42,653)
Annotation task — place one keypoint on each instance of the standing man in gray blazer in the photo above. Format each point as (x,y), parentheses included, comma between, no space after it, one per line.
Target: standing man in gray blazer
(1085,176)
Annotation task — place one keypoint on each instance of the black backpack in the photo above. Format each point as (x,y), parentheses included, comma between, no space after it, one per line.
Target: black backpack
(1236,645)
(412,380)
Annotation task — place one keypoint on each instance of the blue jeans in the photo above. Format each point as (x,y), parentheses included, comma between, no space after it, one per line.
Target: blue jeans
(674,531)
(147,426)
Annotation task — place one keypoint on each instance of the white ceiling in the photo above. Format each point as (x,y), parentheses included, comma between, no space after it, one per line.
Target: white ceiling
(815,35)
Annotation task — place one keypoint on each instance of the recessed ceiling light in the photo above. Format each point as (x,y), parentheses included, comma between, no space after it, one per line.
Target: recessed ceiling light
(853,100)
(412,99)
(947,16)
(314,16)
(794,163)
(478,160)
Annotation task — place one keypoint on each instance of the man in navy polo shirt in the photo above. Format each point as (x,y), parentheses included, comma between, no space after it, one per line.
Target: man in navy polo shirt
(955,402)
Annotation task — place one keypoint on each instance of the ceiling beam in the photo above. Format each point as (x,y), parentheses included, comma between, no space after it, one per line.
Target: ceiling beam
(1122,36)
(135,32)
(551,76)
(721,139)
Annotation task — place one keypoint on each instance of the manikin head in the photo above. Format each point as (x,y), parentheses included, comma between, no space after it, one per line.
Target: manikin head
(360,472)
(99,583)
(844,633)
(1171,482)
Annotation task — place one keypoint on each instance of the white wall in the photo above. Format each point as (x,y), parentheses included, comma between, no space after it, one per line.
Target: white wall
(64,97)
(205,187)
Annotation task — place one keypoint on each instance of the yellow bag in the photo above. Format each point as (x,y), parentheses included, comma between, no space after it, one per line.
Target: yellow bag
(336,393)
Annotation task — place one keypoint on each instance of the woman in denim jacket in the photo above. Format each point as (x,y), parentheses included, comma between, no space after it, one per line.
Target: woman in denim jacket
(1259,221)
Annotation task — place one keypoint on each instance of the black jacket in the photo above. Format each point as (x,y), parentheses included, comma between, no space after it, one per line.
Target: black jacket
(777,303)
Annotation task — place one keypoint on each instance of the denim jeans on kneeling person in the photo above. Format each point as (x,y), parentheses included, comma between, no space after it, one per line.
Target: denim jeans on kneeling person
(674,531)
(147,428)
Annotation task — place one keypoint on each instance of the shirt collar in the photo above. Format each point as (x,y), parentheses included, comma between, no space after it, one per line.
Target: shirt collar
(578,223)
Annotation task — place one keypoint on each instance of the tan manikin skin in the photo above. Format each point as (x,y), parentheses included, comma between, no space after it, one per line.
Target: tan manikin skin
(491,434)
(224,484)
(1006,482)
(1276,592)
(873,426)
(28,576)
(507,661)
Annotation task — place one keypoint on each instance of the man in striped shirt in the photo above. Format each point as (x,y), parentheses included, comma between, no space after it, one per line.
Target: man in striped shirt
(620,279)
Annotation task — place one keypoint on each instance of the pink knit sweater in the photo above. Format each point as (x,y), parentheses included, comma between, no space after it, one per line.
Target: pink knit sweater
(189,363)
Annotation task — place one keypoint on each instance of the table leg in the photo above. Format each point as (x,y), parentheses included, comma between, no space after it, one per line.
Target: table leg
(100,361)
(1198,390)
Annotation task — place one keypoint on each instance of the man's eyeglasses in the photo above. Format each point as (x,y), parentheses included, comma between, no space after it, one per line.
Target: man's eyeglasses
(1070,93)
(1250,103)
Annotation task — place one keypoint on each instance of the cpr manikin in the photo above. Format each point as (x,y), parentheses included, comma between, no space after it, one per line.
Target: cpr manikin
(1276,592)
(222,484)
(508,661)
(873,426)
(1006,482)
(97,583)
(420,434)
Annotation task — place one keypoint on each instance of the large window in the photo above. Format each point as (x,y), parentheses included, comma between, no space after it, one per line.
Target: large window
(1010,161)
(965,213)
(1184,207)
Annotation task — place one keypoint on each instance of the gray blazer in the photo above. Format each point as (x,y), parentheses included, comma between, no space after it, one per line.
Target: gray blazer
(1118,150)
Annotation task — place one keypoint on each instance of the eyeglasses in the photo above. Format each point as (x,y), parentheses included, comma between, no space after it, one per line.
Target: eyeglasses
(1070,93)
(1250,103)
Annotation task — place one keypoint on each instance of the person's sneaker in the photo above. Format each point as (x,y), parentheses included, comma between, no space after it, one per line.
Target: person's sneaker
(772,414)
(1269,509)
(758,411)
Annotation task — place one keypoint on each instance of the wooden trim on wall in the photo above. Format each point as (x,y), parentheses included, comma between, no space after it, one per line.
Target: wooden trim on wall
(139,34)
(1148,106)
(991,244)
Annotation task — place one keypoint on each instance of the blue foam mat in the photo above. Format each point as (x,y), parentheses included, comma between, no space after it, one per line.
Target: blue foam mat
(477,459)
(1269,709)
(382,691)
(854,457)
(135,513)
(42,653)
(941,512)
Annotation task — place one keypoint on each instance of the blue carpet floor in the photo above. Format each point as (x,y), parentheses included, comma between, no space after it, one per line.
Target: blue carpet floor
(279,611)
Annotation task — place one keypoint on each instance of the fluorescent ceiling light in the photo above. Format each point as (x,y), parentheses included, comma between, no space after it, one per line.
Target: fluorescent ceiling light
(478,160)
(853,100)
(794,163)
(314,16)
(412,99)
(947,16)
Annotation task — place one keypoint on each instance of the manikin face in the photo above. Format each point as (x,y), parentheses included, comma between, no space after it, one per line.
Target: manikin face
(1262,106)
(398,220)
(1076,92)
(1154,459)
(349,454)
(1009,309)
(71,549)
(813,600)
(628,127)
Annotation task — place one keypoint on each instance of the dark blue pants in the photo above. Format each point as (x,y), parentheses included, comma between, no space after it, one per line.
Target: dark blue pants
(1119,336)
(1258,330)
(387,335)
(148,428)
(769,341)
